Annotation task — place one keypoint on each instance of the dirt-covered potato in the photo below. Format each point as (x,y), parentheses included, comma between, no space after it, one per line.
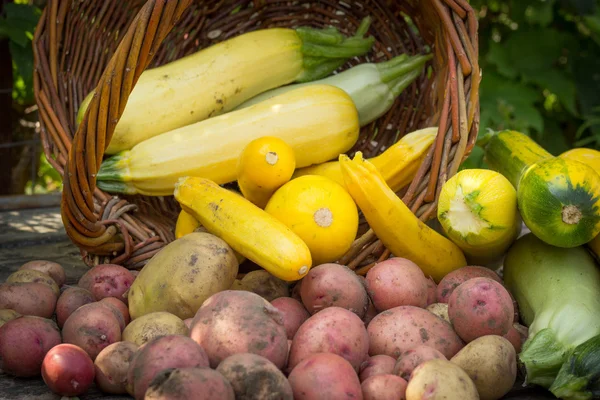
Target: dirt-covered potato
(491,363)
(264,284)
(325,376)
(332,330)
(397,282)
(55,270)
(30,298)
(24,342)
(440,380)
(31,275)
(119,305)
(112,365)
(294,314)
(253,377)
(411,359)
(431,291)
(233,321)
(171,351)
(189,384)
(459,276)
(376,365)
(68,370)
(384,387)
(153,325)
(439,309)
(182,275)
(333,285)
(7,315)
(370,314)
(70,300)
(398,329)
(107,280)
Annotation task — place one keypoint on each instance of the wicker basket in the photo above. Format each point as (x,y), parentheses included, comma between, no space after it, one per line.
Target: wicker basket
(82,45)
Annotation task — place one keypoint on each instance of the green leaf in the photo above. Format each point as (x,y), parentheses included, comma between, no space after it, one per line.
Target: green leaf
(540,12)
(558,83)
(19,23)
(533,49)
(475,160)
(23,65)
(498,56)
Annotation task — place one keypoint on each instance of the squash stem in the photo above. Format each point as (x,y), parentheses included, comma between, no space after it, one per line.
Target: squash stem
(114,168)
(543,356)
(391,71)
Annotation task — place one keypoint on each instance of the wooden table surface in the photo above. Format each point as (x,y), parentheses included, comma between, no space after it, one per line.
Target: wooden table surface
(38,234)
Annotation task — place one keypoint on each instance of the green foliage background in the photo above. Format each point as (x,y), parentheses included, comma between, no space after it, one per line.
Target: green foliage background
(540,62)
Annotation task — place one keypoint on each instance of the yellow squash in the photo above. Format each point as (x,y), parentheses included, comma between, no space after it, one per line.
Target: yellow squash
(264,166)
(320,212)
(398,164)
(248,229)
(395,225)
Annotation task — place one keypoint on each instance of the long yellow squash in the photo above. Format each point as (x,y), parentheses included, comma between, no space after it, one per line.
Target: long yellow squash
(249,230)
(318,121)
(395,225)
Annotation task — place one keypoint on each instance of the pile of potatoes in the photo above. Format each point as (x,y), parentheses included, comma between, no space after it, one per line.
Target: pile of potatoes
(189,327)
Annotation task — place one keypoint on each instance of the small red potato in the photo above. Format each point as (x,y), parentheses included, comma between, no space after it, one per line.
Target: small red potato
(397,282)
(29,298)
(459,276)
(70,300)
(398,329)
(68,370)
(411,359)
(55,270)
(294,314)
(384,387)
(332,330)
(325,376)
(112,365)
(120,306)
(376,365)
(24,342)
(515,338)
(333,285)
(479,307)
(30,275)
(190,384)
(431,291)
(171,351)
(107,280)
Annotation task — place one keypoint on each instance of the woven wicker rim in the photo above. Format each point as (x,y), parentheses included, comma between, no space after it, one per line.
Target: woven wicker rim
(79,46)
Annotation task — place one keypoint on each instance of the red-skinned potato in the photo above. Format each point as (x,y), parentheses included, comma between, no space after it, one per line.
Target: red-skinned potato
(384,387)
(431,291)
(30,275)
(107,280)
(397,282)
(189,384)
(480,307)
(411,359)
(112,365)
(29,298)
(370,314)
(171,351)
(24,342)
(55,270)
(70,300)
(188,322)
(459,276)
(68,370)
(514,337)
(325,376)
(294,314)
(120,306)
(376,365)
(332,330)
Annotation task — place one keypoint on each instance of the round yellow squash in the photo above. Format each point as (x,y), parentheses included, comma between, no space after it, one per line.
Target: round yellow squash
(321,212)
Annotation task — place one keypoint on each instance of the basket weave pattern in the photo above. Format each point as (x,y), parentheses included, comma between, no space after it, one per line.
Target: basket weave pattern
(80,46)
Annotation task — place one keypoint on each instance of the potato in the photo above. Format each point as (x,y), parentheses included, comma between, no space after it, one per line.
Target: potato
(107,280)
(479,307)
(68,370)
(188,323)
(119,305)
(70,300)
(170,351)
(398,329)
(92,327)
(491,363)
(440,380)
(439,309)
(153,325)
(325,376)
(431,291)
(376,365)
(253,377)
(452,280)
(112,365)
(411,359)
(264,284)
(189,384)
(333,285)
(384,387)
(55,270)
(514,337)
(332,330)
(24,342)
(30,275)
(180,277)
(7,315)
(232,321)
(294,314)
(29,298)
(370,314)
(295,294)
(397,282)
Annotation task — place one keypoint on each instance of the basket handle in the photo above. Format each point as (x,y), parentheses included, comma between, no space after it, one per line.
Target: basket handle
(134,53)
